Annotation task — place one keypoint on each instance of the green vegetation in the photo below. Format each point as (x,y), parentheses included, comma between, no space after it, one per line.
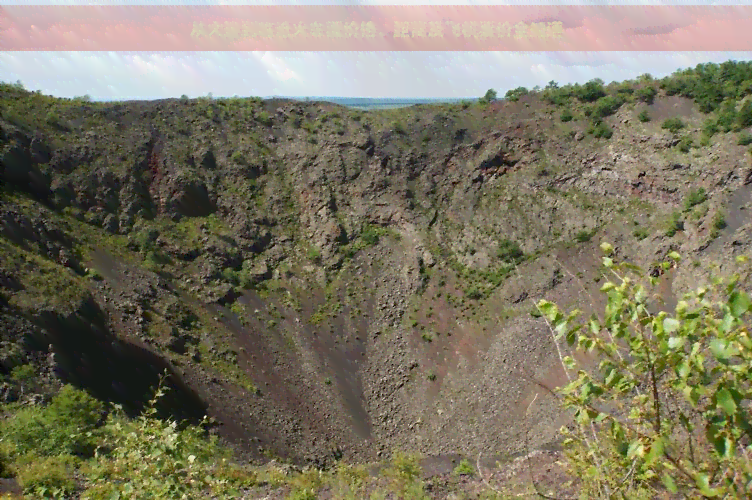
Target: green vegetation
(490,96)
(673,125)
(566,116)
(685,144)
(509,251)
(667,405)
(514,95)
(744,139)
(646,94)
(675,224)
(600,130)
(717,224)
(585,235)
(606,106)
(644,116)
(464,468)
(695,197)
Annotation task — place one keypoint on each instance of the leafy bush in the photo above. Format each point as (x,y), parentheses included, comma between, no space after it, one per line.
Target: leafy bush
(264,118)
(646,94)
(584,235)
(404,472)
(685,144)
(666,408)
(65,426)
(675,224)
(515,94)
(302,494)
(47,477)
(599,130)
(591,91)
(566,116)
(490,96)
(745,139)
(673,125)
(464,468)
(694,198)
(158,459)
(718,223)
(509,251)
(644,117)
(710,127)
(606,106)
(727,118)
(744,117)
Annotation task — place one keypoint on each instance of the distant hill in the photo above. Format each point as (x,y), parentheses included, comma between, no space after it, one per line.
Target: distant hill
(378,102)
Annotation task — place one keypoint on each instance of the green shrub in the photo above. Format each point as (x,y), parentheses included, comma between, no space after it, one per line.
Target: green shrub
(606,106)
(640,233)
(745,139)
(509,251)
(694,198)
(710,127)
(646,94)
(371,235)
(264,118)
(727,118)
(675,224)
(159,459)
(47,477)
(685,144)
(514,95)
(474,292)
(302,494)
(566,116)
(718,223)
(644,116)
(744,117)
(584,236)
(600,130)
(313,254)
(673,125)
(591,91)
(667,405)
(65,426)
(464,468)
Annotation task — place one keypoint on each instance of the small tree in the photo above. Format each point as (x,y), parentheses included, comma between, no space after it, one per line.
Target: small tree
(666,409)
(489,97)
(673,125)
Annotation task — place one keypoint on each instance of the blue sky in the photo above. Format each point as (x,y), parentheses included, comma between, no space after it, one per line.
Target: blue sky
(150,75)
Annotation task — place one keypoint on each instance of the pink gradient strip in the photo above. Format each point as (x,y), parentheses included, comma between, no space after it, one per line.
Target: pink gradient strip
(376,28)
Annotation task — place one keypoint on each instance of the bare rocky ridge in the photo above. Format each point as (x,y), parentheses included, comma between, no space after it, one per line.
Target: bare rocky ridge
(328,283)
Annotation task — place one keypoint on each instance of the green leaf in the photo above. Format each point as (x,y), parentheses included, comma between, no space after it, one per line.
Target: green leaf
(636,449)
(722,349)
(739,303)
(656,451)
(669,483)
(674,256)
(703,484)
(607,248)
(725,401)
(670,325)
(607,286)
(676,342)
(608,262)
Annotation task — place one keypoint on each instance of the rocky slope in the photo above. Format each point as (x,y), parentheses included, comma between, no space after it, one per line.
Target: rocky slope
(329,283)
